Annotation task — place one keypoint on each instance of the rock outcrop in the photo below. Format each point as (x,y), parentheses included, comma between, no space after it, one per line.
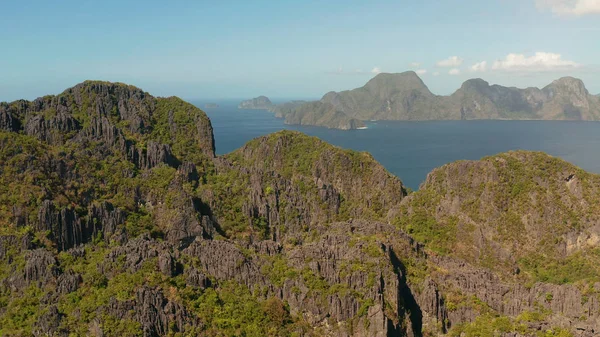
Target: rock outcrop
(67,229)
(257,103)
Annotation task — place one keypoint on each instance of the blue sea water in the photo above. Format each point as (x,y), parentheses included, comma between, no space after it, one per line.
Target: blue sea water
(410,150)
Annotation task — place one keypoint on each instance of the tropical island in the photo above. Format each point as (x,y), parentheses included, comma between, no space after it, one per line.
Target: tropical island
(404,97)
(118,219)
(257,103)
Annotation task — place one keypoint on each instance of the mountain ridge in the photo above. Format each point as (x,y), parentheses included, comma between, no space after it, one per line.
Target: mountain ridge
(404,96)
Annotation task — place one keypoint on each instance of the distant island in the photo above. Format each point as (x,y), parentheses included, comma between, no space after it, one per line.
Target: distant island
(316,114)
(310,113)
(211,105)
(257,103)
(404,96)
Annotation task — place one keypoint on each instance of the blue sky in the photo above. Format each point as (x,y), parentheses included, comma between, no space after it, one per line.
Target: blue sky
(293,49)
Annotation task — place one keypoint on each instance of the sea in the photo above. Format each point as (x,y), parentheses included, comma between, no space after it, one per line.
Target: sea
(410,150)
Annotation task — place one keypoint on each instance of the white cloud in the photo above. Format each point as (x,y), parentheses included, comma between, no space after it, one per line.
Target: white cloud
(539,62)
(436,73)
(479,67)
(415,65)
(452,61)
(342,71)
(570,7)
(421,71)
(454,71)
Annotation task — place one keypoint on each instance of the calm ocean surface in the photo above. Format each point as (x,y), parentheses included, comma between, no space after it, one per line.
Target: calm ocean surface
(410,150)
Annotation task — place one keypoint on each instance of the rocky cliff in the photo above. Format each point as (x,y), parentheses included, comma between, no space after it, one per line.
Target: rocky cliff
(518,232)
(117,219)
(404,96)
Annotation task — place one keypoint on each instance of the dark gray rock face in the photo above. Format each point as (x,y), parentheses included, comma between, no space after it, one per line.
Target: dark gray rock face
(327,180)
(157,315)
(158,154)
(12,243)
(568,305)
(206,138)
(113,140)
(49,324)
(91,111)
(7,123)
(53,130)
(68,230)
(195,278)
(186,218)
(224,261)
(188,173)
(331,259)
(141,250)
(68,282)
(125,102)
(102,130)
(40,266)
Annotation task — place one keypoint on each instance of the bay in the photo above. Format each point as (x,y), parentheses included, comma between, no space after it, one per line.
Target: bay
(410,150)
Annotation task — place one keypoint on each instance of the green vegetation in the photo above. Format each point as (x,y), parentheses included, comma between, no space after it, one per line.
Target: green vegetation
(490,326)
(580,266)
(232,310)
(278,270)
(439,236)
(175,114)
(523,202)
(303,159)
(20,315)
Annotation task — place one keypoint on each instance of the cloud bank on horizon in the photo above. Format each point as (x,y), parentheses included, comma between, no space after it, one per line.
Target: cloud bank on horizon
(452,61)
(513,63)
(570,7)
(538,62)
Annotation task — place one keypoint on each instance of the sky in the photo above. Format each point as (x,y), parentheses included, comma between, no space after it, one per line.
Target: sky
(292,49)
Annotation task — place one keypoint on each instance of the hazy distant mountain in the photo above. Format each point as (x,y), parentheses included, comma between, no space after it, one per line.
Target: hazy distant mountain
(389,96)
(404,96)
(281,110)
(565,98)
(315,113)
(257,103)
